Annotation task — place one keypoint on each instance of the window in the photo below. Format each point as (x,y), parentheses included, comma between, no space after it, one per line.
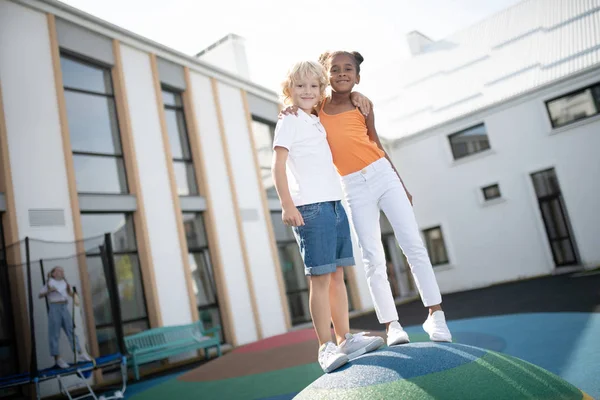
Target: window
(93,127)
(202,271)
(179,141)
(292,266)
(435,246)
(491,192)
(263,132)
(129,278)
(469,141)
(574,106)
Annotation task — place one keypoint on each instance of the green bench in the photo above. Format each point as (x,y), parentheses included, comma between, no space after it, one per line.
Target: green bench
(160,343)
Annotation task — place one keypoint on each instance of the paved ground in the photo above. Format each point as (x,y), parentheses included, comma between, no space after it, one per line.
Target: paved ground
(549,294)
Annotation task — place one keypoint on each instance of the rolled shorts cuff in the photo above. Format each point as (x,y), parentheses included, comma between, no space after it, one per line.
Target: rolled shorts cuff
(345,262)
(320,270)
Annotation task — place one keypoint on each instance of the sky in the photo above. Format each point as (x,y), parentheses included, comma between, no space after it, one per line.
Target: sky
(278,33)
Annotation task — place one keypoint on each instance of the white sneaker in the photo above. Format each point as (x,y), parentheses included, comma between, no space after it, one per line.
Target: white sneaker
(436,327)
(396,335)
(330,358)
(358,344)
(83,357)
(62,363)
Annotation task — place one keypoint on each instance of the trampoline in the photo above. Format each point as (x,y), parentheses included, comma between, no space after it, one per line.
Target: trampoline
(74,378)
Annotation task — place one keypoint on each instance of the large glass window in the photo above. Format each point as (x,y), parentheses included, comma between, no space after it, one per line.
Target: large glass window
(93,127)
(263,132)
(469,141)
(574,106)
(202,271)
(129,278)
(292,266)
(180,146)
(436,246)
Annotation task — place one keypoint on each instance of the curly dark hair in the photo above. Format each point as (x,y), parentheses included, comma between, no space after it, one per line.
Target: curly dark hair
(325,58)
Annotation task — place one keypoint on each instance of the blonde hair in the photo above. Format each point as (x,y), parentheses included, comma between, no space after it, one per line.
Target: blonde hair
(299,70)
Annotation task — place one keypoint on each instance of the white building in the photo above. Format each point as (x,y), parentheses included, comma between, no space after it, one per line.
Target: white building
(495,130)
(102,130)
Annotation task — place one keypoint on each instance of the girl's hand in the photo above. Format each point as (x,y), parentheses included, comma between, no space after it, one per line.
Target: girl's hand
(288,110)
(51,289)
(362,102)
(292,217)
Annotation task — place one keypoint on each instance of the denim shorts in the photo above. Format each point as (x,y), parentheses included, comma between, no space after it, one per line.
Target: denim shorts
(324,239)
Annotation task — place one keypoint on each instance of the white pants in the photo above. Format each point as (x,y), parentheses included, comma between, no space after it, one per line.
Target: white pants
(375,188)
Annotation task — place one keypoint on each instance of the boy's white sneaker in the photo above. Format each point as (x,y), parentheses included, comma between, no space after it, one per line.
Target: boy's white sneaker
(396,335)
(359,344)
(62,363)
(330,358)
(436,327)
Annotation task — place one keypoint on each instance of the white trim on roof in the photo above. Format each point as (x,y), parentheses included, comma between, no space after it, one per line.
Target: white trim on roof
(112,31)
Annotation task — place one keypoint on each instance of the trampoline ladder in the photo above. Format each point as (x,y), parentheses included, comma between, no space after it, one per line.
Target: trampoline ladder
(81,380)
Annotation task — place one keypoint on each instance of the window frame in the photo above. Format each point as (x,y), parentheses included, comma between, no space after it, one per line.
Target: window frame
(188,162)
(427,241)
(129,217)
(201,250)
(462,131)
(596,101)
(485,196)
(116,155)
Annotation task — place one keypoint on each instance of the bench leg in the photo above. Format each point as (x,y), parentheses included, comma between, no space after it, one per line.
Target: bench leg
(206,354)
(218,350)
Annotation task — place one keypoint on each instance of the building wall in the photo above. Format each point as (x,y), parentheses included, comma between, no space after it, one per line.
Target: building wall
(504,239)
(39,175)
(37,161)
(226,230)
(154,182)
(247,187)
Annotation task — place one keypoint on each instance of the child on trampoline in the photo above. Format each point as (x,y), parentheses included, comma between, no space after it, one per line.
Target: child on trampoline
(310,194)
(57,290)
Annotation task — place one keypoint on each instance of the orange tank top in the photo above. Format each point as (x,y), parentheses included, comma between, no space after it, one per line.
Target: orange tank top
(351,147)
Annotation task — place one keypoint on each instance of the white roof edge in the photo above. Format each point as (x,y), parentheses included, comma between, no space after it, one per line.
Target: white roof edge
(110,30)
(507,102)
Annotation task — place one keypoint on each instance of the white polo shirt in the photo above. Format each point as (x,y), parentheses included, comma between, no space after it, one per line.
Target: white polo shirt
(312,177)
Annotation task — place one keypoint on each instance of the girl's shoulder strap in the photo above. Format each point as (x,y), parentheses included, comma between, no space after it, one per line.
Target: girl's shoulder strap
(322,105)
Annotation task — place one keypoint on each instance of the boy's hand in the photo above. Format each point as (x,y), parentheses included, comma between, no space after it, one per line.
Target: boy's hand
(362,102)
(292,217)
(288,110)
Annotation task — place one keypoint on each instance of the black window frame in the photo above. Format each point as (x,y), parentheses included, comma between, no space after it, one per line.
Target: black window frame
(436,263)
(202,249)
(117,155)
(117,253)
(192,181)
(486,197)
(463,131)
(595,90)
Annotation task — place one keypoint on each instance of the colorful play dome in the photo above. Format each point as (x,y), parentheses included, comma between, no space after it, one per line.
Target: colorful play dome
(439,371)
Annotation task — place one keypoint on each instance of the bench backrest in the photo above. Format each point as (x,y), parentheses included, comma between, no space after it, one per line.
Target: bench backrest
(165,336)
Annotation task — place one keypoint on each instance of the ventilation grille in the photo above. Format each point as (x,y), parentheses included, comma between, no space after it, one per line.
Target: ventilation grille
(47,217)
(249,214)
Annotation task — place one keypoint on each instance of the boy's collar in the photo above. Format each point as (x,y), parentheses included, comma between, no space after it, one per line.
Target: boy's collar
(311,119)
